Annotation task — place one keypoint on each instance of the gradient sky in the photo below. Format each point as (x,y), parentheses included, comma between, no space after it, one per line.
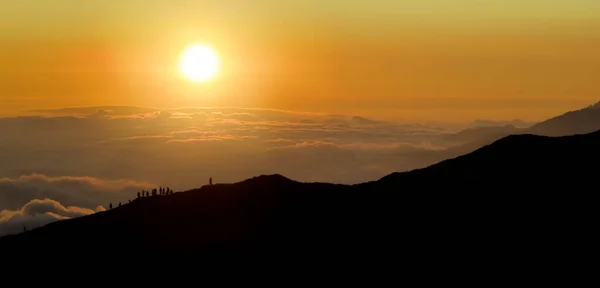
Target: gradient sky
(417,59)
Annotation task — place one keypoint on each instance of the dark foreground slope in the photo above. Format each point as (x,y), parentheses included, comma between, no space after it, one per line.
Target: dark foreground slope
(523,195)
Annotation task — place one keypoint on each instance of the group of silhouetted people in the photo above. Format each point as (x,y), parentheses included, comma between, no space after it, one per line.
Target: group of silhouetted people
(156,192)
(160,192)
(145,193)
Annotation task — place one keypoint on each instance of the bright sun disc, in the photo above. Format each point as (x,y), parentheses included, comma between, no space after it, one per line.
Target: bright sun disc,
(199,63)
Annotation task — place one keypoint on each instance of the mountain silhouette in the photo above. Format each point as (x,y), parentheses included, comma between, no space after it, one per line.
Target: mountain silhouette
(515,122)
(559,160)
(521,194)
(485,132)
(582,121)
(430,157)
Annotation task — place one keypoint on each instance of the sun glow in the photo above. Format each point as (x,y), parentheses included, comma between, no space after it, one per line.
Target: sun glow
(199,63)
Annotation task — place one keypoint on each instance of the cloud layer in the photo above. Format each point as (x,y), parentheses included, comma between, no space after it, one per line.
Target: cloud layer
(182,147)
(85,157)
(37,213)
(87,192)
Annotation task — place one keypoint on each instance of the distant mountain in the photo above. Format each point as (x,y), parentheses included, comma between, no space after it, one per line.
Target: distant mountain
(515,161)
(521,195)
(478,133)
(581,121)
(515,122)
(430,157)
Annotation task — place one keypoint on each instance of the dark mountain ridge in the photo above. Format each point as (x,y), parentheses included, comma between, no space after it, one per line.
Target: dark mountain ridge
(520,193)
(477,133)
(520,156)
(585,120)
(582,121)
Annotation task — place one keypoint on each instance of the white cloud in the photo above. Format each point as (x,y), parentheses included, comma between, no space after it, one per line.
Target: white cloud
(77,182)
(38,212)
(81,191)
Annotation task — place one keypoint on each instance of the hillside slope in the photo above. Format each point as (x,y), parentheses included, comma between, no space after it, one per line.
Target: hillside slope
(585,120)
(582,121)
(473,134)
(542,161)
(521,193)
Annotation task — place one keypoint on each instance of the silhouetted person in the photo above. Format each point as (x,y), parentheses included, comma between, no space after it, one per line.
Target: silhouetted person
(147,194)
(210,181)
(119,204)
(110,206)
(24,228)
(138,194)
(154,192)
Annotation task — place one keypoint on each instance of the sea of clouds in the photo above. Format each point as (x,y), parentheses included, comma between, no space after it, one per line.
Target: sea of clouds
(64,163)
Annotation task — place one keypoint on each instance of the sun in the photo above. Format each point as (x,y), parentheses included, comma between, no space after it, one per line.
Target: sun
(199,63)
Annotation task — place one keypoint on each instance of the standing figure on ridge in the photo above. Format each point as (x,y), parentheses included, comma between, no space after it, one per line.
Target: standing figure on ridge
(210,181)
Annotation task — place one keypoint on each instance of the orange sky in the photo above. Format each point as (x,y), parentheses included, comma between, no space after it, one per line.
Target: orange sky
(386,61)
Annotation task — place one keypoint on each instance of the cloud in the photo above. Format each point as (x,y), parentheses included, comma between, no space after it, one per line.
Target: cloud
(38,212)
(145,137)
(141,139)
(213,138)
(83,191)
(184,146)
(305,144)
